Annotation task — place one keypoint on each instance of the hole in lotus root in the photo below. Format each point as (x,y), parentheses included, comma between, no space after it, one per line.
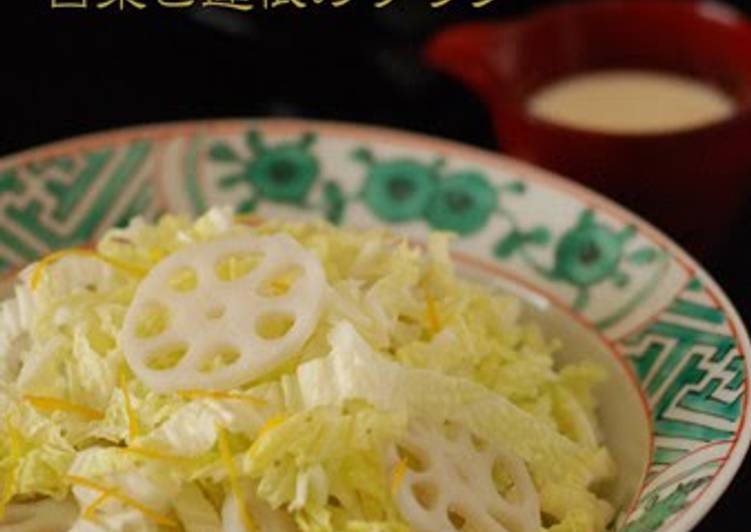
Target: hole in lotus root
(218,359)
(166,357)
(549,520)
(478,443)
(426,494)
(504,481)
(280,283)
(274,325)
(183,280)
(456,519)
(237,265)
(152,321)
(414,462)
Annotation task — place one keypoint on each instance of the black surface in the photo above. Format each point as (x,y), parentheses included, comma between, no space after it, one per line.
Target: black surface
(66,72)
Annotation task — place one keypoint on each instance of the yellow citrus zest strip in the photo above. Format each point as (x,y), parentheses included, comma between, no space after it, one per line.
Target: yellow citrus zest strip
(229,464)
(90,512)
(224,396)
(86,483)
(249,219)
(156,455)
(43,264)
(52,404)
(121,240)
(132,420)
(431,314)
(271,423)
(398,476)
(150,514)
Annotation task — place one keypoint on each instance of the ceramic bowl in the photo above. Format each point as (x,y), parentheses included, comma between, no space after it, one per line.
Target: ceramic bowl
(608,284)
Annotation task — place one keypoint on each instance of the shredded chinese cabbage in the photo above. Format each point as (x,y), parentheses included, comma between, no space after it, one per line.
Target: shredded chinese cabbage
(400,339)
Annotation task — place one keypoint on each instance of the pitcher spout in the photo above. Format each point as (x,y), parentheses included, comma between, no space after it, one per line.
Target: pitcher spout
(475,54)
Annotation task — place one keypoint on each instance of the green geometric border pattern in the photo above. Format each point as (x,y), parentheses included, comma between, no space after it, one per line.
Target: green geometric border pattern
(689,365)
(67,200)
(686,358)
(693,375)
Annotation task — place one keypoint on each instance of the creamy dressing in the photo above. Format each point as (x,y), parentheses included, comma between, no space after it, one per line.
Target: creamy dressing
(631,101)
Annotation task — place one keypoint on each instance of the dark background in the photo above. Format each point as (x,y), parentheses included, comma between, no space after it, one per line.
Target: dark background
(66,72)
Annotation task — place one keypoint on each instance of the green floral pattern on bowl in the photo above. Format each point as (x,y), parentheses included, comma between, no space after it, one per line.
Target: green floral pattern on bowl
(641,295)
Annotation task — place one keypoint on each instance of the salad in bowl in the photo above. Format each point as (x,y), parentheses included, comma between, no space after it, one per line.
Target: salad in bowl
(234,374)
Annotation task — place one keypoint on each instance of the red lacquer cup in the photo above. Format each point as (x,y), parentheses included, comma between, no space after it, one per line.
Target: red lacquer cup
(691,183)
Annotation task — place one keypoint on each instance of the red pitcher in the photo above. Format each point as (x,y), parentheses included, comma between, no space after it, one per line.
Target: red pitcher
(692,183)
